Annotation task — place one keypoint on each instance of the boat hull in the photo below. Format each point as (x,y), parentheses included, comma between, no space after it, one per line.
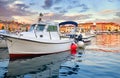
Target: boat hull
(25,47)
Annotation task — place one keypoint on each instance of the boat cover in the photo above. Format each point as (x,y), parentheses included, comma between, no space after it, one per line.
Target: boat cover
(68,22)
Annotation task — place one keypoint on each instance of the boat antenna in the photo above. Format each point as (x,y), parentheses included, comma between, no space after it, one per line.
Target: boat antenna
(39,20)
(40,17)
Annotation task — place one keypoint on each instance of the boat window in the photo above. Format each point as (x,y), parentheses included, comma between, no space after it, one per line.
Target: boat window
(40,27)
(52,28)
(32,27)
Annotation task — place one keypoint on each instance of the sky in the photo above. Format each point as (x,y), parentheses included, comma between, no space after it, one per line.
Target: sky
(81,11)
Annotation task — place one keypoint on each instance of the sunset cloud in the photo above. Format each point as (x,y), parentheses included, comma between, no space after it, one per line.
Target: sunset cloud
(107,11)
(13,8)
(60,10)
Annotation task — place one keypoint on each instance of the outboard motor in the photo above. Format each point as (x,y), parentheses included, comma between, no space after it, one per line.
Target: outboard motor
(79,41)
(78,38)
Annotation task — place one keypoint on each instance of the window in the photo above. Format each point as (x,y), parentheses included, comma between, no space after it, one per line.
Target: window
(52,28)
(40,27)
(32,27)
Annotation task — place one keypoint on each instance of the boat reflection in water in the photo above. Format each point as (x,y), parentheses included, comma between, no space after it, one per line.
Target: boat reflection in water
(37,67)
(3,67)
(72,66)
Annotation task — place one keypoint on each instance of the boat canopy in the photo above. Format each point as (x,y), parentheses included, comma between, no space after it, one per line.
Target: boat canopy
(68,22)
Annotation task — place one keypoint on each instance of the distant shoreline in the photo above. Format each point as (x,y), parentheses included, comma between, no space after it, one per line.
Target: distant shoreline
(111,32)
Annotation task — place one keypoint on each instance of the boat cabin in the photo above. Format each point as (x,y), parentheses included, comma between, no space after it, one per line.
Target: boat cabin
(43,28)
(43,31)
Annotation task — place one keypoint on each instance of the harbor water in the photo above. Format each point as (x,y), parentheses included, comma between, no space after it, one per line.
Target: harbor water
(99,59)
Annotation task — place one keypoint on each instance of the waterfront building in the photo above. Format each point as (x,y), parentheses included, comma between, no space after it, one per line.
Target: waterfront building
(13,26)
(66,28)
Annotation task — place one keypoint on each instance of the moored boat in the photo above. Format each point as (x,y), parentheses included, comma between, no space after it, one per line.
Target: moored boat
(86,38)
(74,32)
(42,38)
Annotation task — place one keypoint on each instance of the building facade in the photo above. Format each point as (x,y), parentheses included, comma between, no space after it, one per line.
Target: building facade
(13,26)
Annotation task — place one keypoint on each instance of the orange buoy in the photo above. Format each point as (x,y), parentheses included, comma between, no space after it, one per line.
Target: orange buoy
(73,48)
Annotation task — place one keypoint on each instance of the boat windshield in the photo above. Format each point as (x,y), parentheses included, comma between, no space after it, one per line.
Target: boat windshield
(32,27)
(40,27)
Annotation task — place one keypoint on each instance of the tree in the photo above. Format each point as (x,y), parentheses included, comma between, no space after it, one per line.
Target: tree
(116,30)
(9,29)
(26,28)
(3,27)
(109,29)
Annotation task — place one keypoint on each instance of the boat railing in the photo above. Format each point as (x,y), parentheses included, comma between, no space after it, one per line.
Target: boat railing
(50,35)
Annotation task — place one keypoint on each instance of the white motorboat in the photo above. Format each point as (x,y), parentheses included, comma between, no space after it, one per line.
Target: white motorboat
(42,38)
(39,40)
(86,38)
(75,32)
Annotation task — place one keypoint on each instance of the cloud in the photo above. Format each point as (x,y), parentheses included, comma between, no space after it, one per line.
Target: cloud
(57,1)
(77,4)
(84,7)
(118,14)
(4,9)
(32,19)
(47,4)
(31,3)
(80,7)
(110,0)
(107,12)
(64,6)
(9,8)
(61,16)
(57,8)
(115,20)
(63,11)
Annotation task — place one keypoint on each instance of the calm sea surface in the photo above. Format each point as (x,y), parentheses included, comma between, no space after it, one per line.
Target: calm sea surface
(99,59)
